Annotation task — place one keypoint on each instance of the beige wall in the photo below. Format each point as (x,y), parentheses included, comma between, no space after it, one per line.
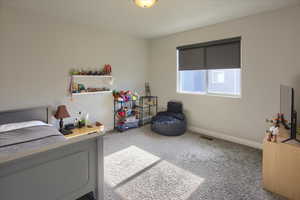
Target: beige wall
(270,57)
(37,53)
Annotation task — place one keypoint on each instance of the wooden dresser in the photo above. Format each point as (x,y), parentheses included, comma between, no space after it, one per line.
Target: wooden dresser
(281,166)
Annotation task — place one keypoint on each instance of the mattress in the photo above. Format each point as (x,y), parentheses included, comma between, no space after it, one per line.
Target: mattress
(29,138)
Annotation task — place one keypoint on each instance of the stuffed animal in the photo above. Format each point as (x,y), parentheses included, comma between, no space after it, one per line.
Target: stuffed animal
(273,133)
(125,96)
(121,113)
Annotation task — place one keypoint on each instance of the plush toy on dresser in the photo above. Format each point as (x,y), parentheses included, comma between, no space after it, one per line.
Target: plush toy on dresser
(273,131)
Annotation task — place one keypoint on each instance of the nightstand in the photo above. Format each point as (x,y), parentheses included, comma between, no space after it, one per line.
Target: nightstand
(84,131)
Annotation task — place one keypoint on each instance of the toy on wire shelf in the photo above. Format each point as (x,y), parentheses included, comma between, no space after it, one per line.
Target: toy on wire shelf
(121,113)
(125,96)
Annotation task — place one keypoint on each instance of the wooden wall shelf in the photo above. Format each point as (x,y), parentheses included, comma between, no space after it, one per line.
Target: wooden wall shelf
(91,76)
(91,93)
(80,78)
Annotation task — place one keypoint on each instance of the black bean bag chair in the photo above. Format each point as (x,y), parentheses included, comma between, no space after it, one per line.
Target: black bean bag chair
(170,123)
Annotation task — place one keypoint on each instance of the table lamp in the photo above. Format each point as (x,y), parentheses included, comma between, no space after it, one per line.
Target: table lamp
(61,114)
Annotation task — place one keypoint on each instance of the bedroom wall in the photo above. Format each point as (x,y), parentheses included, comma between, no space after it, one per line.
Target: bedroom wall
(37,53)
(270,57)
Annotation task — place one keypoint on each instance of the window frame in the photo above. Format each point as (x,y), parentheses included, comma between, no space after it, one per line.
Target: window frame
(206,93)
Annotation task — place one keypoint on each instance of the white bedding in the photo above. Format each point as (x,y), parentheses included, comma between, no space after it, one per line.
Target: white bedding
(27,136)
(15,126)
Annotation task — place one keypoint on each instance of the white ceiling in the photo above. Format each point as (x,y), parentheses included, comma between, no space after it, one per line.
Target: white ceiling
(168,16)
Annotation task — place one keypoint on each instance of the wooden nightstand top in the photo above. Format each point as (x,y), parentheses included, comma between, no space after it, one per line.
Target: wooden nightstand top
(85,131)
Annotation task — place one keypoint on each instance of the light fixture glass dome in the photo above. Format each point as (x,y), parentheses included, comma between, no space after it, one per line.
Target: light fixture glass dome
(145,3)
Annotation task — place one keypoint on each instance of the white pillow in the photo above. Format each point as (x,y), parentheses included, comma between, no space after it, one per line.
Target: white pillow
(15,126)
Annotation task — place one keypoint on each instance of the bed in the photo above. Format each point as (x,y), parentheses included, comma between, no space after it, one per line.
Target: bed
(37,162)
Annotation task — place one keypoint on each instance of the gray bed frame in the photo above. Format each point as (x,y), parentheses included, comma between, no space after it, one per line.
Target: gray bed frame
(62,171)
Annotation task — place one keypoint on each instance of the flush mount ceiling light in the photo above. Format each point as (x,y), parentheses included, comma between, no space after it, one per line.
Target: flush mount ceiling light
(145,3)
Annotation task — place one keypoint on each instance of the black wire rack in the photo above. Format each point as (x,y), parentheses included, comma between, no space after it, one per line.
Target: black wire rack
(142,110)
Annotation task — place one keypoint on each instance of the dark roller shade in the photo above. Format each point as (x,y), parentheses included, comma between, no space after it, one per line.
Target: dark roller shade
(191,59)
(219,54)
(224,56)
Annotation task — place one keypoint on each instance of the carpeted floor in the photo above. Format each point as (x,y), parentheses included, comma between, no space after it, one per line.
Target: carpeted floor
(141,165)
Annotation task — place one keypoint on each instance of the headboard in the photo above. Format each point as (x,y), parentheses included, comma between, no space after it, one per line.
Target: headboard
(29,114)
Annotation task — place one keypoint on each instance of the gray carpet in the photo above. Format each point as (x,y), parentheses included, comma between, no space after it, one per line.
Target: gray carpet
(141,165)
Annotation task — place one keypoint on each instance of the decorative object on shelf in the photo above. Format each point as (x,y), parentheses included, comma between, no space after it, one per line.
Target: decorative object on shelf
(279,120)
(145,3)
(74,87)
(106,71)
(97,89)
(147,89)
(81,121)
(272,134)
(275,123)
(61,114)
(74,72)
(81,88)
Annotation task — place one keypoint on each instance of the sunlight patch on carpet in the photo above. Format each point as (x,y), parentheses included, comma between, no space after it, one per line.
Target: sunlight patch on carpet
(126,163)
(161,182)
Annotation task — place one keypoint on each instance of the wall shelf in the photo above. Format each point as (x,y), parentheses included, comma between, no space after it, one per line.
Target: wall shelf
(80,78)
(90,93)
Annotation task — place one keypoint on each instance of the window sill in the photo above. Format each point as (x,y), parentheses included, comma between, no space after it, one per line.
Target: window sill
(211,94)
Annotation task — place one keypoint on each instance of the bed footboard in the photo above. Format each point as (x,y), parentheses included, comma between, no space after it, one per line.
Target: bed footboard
(64,173)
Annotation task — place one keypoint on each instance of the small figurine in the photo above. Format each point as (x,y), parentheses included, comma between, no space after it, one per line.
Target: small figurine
(75,87)
(74,72)
(269,136)
(147,89)
(272,134)
(81,87)
(107,69)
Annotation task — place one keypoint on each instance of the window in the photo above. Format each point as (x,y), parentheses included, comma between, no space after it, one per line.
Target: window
(226,81)
(193,81)
(210,68)
(217,76)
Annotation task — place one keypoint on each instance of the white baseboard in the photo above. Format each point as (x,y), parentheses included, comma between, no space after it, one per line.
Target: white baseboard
(223,136)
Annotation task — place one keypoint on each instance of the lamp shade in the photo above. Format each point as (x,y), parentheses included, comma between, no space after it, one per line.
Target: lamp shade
(62,112)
